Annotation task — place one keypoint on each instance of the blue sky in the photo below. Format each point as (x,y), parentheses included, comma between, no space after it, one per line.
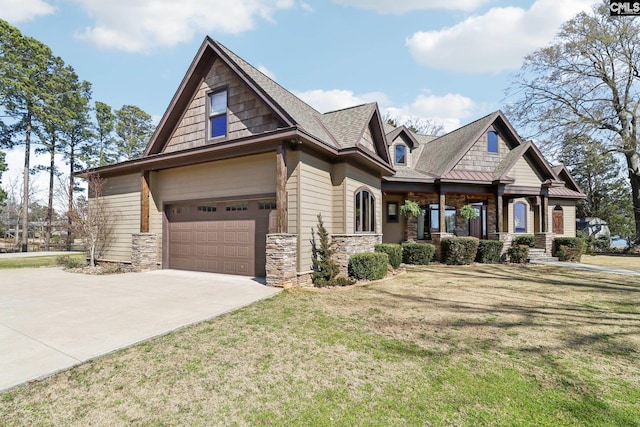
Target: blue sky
(443,60)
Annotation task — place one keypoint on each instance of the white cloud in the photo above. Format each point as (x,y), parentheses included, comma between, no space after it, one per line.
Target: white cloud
(306,6)
(15,11)
(336,99)
(399,7)
(496,41)
(264,70)
(450,110)
(143,24)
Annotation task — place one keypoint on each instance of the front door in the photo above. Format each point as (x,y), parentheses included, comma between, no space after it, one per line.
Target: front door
(478,225)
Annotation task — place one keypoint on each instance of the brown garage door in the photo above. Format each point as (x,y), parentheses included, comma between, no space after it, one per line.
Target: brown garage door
(219,237)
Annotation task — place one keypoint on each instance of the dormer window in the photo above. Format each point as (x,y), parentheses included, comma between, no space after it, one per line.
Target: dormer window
(218,114)
(401,154)
(492,142)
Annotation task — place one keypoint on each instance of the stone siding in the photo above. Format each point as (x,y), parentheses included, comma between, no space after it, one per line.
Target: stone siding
(282,259)
(545,241)
(350,244)
(144,251)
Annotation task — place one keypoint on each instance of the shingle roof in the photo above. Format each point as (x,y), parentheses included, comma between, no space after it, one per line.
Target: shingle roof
(303,115)
(347,125)
(441,154)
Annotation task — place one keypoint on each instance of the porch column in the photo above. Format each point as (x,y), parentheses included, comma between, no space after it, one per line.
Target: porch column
(441,206)
(544,203)
(499,213)
(144,203)
(281,189)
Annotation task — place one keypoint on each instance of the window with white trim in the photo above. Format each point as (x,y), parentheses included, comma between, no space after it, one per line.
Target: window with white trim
(365,211)
(218,114)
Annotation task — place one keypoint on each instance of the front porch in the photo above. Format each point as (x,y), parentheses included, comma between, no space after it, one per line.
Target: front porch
(500,217)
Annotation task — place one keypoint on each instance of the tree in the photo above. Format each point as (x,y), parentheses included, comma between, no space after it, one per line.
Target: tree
(324,267)
(134,128)
(3,168)
(597,172)
(93,219)
(418,125)
(25,65)
(105,125)
(586,83)
(77,134)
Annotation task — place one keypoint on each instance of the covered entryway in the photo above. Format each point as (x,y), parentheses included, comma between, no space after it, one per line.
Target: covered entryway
(226,237)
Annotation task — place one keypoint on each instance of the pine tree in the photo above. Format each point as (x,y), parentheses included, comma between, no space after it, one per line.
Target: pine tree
(324,268)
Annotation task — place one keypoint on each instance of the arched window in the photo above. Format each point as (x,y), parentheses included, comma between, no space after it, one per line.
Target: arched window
(365,211)
(401,154)
(520,217)
(492,142)
(558,220)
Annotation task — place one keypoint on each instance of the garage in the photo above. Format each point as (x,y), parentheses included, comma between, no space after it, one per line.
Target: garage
(226,237)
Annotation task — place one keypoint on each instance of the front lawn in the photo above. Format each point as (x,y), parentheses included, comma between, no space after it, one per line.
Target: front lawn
(39,261)
(475,345)
(629,262)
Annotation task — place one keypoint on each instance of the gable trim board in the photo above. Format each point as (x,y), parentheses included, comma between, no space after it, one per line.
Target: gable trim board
(327,158)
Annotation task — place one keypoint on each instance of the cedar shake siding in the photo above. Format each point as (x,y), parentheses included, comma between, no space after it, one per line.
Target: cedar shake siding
(247,115)
(478,158)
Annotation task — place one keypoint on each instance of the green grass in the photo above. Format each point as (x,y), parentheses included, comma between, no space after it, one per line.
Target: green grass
(36,261)
(478,345)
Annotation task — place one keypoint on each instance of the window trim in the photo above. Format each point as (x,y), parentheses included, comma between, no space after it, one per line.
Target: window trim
(393,212)
(358,199)
(489,145)
(211,115)
(395,154)
(515,226)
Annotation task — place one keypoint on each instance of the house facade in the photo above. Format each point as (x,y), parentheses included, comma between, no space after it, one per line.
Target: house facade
(239,169)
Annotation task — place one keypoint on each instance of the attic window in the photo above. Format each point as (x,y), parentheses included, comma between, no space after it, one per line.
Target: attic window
(492,142)
(218,114)
(401,154)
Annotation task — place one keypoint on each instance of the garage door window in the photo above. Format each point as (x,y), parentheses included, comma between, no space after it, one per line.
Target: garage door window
(267,205)
(206,209)
(237,207)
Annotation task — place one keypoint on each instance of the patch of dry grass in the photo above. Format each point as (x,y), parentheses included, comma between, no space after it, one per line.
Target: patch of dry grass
(629,262)
(476,345)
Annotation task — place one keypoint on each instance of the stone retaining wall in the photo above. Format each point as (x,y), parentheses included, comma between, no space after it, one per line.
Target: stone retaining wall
(349,244)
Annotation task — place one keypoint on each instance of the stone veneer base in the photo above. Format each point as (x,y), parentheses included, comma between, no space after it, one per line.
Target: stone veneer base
(144,251)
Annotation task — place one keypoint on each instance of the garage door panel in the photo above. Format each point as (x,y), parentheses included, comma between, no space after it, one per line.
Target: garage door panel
(222,244)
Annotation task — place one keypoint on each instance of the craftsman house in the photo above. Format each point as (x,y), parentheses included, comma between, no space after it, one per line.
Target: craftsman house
(239,168)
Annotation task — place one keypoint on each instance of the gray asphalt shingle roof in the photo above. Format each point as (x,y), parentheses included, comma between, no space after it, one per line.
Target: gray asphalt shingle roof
(439,155)
(347,125)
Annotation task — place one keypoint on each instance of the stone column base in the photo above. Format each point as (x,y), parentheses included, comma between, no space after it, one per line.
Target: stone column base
(350,244)
(545,241)
(282,260)
(144,251)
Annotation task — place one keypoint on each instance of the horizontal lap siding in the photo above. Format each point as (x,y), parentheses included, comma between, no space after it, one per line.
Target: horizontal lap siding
(226,178)
(293,170)
(155,214)
(123,197)
(524,174)
(568,214)
(316,197)
(357,178)
(338,177)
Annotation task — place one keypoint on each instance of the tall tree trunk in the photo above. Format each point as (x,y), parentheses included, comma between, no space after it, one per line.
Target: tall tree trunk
(25,200)
(52,170)
(71,184)
(633,163)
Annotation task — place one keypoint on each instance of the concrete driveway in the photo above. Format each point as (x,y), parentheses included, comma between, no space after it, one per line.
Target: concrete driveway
(51,320)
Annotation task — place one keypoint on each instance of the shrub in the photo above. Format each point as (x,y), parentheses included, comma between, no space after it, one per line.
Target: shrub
(418,253)
(527,240)
(336,281)
(393,250)
(518,254)
(489,251)
(70,262)
(568,248)
(459,250)
(368,266)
